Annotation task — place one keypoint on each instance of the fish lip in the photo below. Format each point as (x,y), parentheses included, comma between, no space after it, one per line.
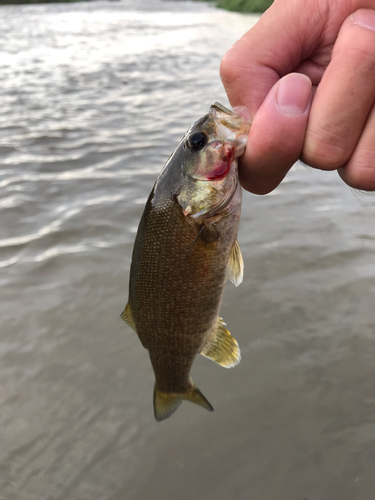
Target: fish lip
(235,128)
(224,157)
(220,107)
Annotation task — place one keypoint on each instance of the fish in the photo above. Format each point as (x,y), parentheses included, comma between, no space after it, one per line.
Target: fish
(185,248)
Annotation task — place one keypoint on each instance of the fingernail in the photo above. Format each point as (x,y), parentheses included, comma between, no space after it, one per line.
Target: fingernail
(293,94)
(365,18)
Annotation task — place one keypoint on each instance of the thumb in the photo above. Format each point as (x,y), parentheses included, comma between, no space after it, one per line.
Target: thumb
(277,134)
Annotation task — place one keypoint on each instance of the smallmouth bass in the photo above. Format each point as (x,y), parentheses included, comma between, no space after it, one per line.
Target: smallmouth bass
(186,246)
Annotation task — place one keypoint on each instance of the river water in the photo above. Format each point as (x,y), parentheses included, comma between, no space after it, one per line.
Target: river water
(94,98)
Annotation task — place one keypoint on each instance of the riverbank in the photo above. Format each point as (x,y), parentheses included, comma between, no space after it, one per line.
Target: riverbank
(232,5)
(245,5)
(23,2)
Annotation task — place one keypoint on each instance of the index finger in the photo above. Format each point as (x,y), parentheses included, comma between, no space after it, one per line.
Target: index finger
(269,50)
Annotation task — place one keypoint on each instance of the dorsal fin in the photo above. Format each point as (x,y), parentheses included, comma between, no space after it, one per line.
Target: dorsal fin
(234,271)
(127,316)
(221,347)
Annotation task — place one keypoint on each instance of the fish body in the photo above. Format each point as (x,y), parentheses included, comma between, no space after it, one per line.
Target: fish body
(185,248)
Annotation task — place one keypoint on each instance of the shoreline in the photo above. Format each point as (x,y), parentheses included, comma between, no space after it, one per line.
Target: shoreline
(246,6)
(30,2)
(230,5)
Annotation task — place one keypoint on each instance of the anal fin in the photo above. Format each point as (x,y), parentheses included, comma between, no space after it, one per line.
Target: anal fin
(234,271)
(221,347)
(127,316)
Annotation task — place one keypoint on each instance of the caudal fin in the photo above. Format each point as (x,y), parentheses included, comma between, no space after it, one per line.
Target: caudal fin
(166,403)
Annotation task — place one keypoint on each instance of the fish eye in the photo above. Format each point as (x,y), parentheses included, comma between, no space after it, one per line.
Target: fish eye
(197,140)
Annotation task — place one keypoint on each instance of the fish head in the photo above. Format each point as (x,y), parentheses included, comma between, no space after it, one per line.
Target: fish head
(210,176)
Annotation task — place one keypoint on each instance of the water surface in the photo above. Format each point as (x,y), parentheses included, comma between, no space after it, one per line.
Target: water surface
(95,96)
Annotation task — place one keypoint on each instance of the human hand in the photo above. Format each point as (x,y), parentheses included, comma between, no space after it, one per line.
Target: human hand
(306,73)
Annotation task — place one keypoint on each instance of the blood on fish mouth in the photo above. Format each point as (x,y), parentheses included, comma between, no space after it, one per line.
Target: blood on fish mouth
(223,165)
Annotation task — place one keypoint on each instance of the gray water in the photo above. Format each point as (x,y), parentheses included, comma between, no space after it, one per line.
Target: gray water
(94,97)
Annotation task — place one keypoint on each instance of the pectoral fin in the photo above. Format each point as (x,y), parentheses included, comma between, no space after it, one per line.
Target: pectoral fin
(221,347)
(166,403)
(234,271)
(127,316)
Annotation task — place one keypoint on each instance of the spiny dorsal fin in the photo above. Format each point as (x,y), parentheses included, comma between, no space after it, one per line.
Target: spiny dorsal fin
(166,403)
(234,271)
(221,347)
(127,316)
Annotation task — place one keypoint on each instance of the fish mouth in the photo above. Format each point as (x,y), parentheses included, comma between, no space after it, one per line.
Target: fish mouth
(223,164)
(233,127)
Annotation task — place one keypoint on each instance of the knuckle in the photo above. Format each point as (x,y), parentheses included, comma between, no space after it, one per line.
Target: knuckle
(230,69)
(323,160)
(357,46)
(364,55)
(359,180)
(359,172)
(325,152)
(236,68)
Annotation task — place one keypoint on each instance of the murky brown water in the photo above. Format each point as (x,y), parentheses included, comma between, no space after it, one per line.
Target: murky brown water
(95,96)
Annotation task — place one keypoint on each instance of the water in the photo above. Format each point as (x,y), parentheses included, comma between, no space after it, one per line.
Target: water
(95,96)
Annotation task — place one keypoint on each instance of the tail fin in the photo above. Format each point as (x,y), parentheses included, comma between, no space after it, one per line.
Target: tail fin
(166,403)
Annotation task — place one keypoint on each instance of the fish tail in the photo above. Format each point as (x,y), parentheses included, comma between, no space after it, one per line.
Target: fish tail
(166,403)
(194,395)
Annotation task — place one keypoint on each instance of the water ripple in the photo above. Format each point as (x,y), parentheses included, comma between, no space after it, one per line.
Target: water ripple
(95,96)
